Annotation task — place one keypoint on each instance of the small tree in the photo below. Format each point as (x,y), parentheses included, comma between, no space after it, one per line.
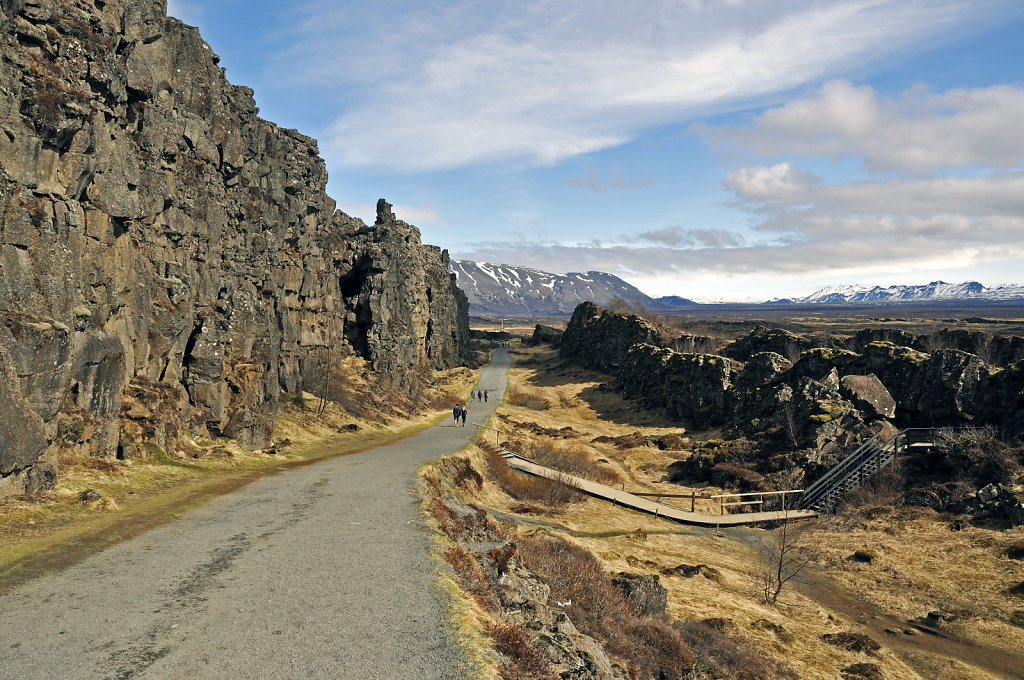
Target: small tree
(780,559)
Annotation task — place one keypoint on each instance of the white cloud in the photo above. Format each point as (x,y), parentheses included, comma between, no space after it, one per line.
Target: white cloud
(678,237)
(432,87)
(189,12)
(920,131)
(782,181)
(418,214)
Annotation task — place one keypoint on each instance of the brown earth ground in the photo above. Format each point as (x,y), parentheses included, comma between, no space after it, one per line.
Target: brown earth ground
(52,530)
(919,564)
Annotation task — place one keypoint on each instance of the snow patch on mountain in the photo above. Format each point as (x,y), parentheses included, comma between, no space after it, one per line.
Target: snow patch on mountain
(934,291)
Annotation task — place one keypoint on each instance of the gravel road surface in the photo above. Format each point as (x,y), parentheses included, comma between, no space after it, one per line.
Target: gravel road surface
(322,571)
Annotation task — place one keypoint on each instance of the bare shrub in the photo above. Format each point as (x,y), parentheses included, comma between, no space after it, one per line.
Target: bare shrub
(651,647)
(573,459)
(780,559)
(720,655)
(978,455)
(527,488)
(525,660)
(884,488)
(521,396)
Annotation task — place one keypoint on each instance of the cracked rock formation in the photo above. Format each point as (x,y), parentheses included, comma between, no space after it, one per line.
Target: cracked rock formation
(168,259)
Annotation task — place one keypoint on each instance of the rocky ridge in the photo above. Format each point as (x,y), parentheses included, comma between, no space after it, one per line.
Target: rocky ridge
(929,292)
(169,261)
(508,290)
(789,403)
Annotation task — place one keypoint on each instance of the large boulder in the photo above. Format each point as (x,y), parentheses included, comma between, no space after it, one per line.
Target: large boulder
(869,395)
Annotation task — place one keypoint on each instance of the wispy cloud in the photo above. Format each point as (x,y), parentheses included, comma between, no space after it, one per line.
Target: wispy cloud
(540,81)
(678,237)
(597,183)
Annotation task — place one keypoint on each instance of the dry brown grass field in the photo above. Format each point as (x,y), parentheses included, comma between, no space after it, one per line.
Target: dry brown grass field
(919,564)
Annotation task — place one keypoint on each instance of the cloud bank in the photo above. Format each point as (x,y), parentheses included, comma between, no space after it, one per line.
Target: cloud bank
(951,196)
(429,87)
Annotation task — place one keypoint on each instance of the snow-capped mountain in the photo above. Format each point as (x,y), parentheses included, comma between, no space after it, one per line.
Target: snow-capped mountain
(508,290)
(934,291)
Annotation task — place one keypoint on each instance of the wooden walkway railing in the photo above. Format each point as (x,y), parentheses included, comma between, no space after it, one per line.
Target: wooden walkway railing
(639,502)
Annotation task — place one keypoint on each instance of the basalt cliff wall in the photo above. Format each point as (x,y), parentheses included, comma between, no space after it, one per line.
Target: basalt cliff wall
(169,261)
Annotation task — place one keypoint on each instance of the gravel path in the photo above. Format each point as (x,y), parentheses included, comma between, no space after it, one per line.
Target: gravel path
(318,572)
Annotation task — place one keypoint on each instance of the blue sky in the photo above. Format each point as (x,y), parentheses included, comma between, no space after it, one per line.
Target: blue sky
(713,149)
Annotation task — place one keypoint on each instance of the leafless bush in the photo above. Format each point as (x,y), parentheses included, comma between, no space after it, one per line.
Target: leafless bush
(572,459)
(977,454)
(720,655)
(885,488)
(651,647)
(470,576)
(527,488)
(521,396)
(780,559)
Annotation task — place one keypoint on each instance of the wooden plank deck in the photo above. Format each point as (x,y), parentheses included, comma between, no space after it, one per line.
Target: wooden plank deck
(635,502)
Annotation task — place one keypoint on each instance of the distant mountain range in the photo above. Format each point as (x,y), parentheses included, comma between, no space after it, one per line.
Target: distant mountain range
(969,291)
(508,290)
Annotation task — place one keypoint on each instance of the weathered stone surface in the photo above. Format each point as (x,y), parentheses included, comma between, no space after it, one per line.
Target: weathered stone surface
(154,231)
(548,334)
(22,440)
(643,591)
(764,339)
(869,395)
(598,338)
(692,387)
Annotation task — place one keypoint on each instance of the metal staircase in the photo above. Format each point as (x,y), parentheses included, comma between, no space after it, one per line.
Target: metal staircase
(861,465)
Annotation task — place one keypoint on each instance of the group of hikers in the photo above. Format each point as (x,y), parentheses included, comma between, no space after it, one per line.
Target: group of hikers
(460,411)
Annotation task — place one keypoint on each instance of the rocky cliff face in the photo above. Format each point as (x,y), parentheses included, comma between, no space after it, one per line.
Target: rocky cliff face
(169,260)
(806,408)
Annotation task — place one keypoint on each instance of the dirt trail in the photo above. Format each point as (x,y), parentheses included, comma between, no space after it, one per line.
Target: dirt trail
(322,571)
(819,587)
(932,642)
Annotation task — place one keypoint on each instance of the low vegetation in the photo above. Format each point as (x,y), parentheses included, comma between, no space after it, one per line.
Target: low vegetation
(720,620)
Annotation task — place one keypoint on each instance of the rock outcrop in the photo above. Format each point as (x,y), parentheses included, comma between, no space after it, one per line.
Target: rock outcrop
(804,411)
(599,338)
(169,260)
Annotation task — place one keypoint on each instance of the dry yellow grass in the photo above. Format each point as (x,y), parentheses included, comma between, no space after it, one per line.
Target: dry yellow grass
(913,574)
(921,565)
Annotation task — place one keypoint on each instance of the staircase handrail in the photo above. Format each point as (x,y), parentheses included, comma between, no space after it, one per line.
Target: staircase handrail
(850,463)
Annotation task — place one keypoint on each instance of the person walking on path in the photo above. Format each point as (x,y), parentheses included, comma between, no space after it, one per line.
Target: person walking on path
(479,395)
(465,411)
(457,411)
(485,396)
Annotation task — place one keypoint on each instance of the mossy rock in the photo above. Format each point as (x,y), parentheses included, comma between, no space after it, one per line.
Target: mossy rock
(862,671)
(852,642)
(864,556)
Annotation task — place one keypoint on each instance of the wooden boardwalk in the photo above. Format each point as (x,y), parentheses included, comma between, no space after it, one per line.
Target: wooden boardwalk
(635,502)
